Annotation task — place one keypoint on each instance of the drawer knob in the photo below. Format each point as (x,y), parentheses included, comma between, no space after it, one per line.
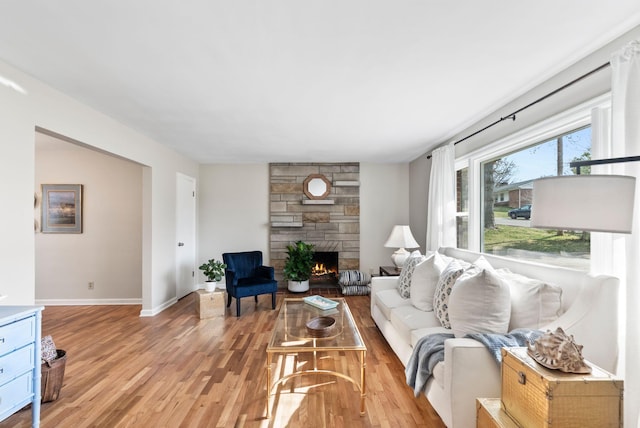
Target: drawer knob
(522,378)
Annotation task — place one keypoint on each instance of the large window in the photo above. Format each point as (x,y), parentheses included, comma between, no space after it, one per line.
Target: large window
(495,187)
(507,184)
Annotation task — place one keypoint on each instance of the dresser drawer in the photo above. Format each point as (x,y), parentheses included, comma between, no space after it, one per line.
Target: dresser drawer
(17,334)
(16,363)
(15,394)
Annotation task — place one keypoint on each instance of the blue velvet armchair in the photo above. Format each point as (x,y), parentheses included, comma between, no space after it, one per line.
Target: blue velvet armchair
(246,276)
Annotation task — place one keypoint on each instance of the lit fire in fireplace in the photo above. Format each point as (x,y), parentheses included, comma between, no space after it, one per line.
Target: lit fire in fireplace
(319,269)
(324,268)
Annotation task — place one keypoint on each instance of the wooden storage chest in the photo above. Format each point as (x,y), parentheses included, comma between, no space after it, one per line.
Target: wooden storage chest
(535,396)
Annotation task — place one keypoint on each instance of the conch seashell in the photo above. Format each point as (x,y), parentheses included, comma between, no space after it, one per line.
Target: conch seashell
(558,351)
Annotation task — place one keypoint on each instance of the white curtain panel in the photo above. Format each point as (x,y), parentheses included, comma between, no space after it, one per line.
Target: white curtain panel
(441,217)
(625,130)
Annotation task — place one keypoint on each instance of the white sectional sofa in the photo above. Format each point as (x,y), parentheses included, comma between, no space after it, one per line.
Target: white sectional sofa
(588,312)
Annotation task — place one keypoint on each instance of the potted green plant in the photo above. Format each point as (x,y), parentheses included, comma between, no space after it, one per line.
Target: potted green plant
(214,271)
(298,266)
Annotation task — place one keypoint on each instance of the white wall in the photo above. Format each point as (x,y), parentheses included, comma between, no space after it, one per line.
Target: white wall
(42,106)
(16,187)
(233,210)
(384,202)
(419,171)
(108,252)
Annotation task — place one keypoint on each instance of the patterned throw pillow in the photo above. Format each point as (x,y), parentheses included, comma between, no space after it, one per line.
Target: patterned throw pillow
(355,290)
(404,282)
(48,349)
(447,279)
(354,277)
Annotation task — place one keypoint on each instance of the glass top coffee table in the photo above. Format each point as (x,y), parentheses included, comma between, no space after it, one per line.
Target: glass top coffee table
(291,335)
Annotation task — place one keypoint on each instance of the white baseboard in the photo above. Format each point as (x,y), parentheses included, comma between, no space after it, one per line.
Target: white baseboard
(87,302)
(98,302)
(157,310)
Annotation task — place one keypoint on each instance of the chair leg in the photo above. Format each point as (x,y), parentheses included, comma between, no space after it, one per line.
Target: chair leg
(256,298)
(228,300)
(273,300)
(237,306)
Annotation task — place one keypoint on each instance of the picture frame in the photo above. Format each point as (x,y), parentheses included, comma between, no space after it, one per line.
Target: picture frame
(61,208)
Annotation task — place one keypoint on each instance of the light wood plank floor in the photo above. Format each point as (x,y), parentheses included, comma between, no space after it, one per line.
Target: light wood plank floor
(175,370)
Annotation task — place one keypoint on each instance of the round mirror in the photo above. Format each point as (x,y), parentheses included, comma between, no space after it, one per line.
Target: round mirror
(316,186)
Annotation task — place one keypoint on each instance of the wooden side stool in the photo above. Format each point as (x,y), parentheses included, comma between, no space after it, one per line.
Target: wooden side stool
(210,304)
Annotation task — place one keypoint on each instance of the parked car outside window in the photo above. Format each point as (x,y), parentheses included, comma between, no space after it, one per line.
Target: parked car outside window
(524,211)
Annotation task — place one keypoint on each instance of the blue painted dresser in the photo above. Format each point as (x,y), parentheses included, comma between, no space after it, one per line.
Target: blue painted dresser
(20,332)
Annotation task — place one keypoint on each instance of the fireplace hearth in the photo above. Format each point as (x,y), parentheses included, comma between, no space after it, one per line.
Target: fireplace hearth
(325,268)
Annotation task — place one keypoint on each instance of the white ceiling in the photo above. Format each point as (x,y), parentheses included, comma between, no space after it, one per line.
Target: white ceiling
(302,80)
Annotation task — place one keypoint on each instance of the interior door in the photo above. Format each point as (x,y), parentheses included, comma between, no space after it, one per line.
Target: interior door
(185,235)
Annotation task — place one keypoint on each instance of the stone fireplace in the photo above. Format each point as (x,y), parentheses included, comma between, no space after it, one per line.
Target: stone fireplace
(331,223)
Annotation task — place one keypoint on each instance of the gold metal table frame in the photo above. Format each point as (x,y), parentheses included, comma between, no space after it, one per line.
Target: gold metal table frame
(290,336)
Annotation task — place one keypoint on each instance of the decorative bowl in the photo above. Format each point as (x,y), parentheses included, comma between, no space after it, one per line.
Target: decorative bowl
(321,326)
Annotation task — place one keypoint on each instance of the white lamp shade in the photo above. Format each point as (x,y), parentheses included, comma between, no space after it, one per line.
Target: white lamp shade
(598,203)
(401,237)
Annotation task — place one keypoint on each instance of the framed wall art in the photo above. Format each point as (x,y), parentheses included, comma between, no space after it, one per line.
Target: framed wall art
(61,208)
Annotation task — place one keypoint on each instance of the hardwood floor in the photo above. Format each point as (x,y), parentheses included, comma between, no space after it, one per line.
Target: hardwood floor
(175,370)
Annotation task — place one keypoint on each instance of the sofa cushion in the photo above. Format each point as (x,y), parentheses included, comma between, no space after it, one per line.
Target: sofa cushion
(534,303)
(446,281)
(404,281)
(406,319)
(438,374)
(388,299)
(424,280)
(438,369)
(480,303)
(419,333)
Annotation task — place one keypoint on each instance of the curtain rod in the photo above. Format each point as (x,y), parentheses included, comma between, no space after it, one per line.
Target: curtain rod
(512,116)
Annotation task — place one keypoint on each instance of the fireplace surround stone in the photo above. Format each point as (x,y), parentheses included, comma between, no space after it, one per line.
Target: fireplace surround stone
(330,224)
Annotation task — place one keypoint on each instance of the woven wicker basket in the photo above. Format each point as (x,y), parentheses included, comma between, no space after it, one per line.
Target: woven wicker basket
(53,376)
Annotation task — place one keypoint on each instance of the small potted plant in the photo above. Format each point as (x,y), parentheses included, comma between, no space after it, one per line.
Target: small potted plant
(214,271)
(298,266)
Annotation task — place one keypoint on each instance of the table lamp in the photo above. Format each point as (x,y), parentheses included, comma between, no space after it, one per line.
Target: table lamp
(400,238)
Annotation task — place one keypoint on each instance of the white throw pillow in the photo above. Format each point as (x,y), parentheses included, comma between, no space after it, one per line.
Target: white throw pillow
(404,281)
(483,263)
(446,281)
(424,281)
(534,303)
(480,303)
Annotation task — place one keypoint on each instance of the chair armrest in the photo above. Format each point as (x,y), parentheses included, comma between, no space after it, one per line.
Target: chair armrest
(265,272)
(230,278)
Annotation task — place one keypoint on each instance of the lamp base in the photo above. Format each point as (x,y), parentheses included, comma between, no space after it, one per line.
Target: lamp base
(399,257)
